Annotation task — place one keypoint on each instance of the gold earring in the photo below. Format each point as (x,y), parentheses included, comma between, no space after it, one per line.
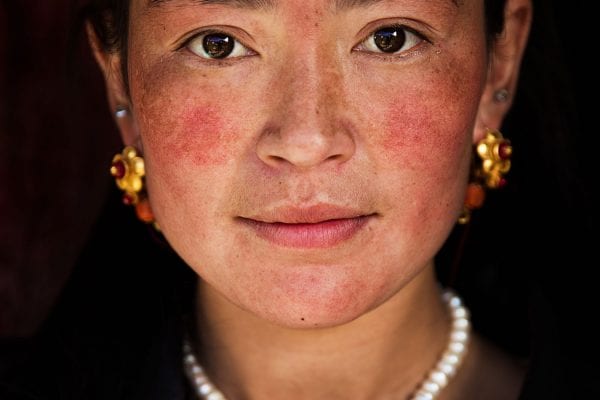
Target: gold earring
(493,152)
(129,170)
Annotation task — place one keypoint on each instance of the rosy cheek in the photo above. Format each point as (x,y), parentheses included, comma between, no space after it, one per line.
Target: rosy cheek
(416,134)
(428,126)
(194,137)
(405,129)
(201,136)
(181,120)
(198,135)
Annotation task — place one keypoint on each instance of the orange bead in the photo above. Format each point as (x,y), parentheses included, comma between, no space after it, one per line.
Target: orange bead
(144,211)
(475,196)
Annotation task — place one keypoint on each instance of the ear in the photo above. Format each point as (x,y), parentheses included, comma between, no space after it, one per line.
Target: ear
(118,98)
(505,62)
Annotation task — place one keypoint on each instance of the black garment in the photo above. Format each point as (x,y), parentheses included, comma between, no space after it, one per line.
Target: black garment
(545,378)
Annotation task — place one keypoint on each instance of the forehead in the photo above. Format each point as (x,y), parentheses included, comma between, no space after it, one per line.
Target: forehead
(272,4)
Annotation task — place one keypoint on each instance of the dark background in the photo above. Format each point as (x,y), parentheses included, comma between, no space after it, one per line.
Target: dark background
(57,139)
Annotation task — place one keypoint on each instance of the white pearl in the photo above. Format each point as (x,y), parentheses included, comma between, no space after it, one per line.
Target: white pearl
(196,369)
(447,296)
(450,358)
(460,323)
(460,312)
(439,377)
(200,380)
(459,336)
(215,396)
(457,347)
(190,359)
(432,387)
(455,302)
(423,395)
(446,368)
(205,388)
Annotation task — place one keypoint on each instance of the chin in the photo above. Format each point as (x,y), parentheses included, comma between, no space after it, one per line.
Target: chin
(318,296)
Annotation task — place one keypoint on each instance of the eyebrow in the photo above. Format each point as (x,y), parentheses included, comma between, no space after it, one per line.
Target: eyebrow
(270,4)
(252,4)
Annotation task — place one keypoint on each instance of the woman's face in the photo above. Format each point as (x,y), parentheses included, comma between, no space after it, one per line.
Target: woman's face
(357,112)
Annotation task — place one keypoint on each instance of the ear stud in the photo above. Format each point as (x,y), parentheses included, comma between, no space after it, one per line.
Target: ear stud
(501,96)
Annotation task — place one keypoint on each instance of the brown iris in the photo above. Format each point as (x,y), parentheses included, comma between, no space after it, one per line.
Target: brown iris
(390,40)
(218,45)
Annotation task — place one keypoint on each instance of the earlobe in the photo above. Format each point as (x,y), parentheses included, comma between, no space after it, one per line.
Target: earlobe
(118,99)
(506,55)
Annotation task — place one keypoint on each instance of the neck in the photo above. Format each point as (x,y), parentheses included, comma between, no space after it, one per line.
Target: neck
(390,349)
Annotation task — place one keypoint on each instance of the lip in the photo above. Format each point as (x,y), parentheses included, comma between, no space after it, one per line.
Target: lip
(313,227)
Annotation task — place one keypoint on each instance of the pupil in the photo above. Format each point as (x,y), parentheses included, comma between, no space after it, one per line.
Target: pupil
(218,45)
(390,40)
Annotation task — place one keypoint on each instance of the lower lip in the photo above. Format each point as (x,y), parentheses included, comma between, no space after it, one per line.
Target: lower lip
(318,235)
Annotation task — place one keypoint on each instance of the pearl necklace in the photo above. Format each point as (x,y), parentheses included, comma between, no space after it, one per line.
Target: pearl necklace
(436,380)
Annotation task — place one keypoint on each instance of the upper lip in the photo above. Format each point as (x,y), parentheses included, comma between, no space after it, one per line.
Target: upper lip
(306,215)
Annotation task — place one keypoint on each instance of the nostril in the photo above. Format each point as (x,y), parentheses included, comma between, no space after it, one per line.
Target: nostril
(277,159)
(334,157)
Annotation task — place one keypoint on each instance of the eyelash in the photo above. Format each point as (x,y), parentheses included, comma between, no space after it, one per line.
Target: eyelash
(408,32)
(218,61)
(359,48)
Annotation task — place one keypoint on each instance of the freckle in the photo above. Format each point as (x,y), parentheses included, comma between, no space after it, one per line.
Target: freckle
(413,134)
(201,137)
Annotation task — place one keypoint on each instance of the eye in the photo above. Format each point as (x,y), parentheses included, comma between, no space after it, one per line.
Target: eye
(217,45)
(391,40)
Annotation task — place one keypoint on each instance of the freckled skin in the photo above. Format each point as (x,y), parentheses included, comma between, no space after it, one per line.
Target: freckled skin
(404,129)
(207,147)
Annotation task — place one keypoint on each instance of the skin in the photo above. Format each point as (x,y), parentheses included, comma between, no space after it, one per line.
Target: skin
(308,116)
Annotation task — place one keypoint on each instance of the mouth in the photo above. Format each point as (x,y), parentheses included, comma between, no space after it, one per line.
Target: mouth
(315,227)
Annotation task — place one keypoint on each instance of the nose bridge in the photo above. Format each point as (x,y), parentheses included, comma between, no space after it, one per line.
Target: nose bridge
(304,128)
(312,79)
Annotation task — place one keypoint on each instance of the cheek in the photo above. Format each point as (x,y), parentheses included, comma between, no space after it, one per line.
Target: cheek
(185,117)
(428,127)
(194,138)
(417,138)
(424,141)
(196,132)
(183,128)
(424,126)
(202,136)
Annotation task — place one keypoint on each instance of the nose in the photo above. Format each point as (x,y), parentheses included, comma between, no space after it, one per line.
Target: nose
(306,128)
